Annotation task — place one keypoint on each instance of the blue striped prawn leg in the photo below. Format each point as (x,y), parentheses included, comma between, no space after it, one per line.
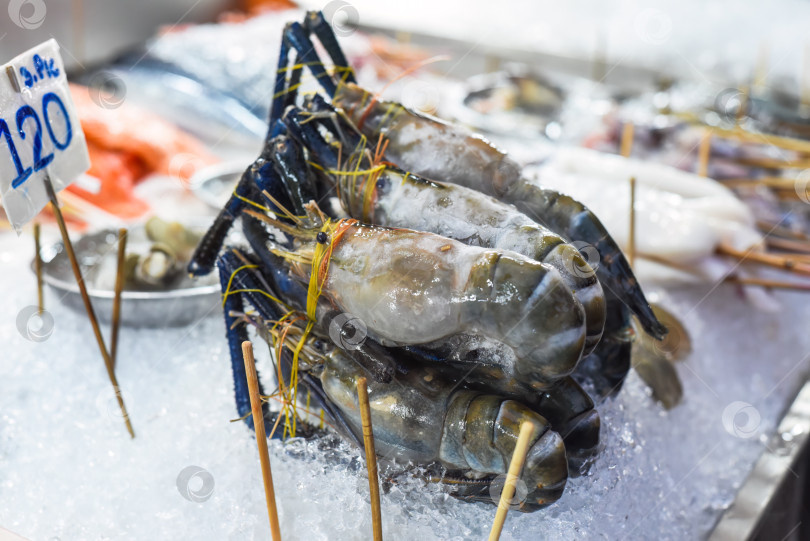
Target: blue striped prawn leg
(231,280)
(259,176)
(297,37)
(240,284)
(205,255)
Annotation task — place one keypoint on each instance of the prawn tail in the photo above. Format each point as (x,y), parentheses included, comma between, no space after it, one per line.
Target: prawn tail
(578,225)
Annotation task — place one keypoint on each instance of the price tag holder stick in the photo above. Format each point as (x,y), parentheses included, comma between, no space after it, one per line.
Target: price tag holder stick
(38,268)
(88,306)
(46,149)
(119,287)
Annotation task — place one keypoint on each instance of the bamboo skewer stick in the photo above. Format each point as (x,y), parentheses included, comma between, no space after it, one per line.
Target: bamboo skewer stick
(802,247)
(798,256)
(261,438)
(631,241)
(626,148)
(782,231)
(668,263)
(801,258)
(38,268)
(628,132)
(771,182)
(774,284)
(787,143)
(771,163)
(119,287)
(371,458)
(783,195)
(703,154)
(508,492)
(804,258)
(88,306)
(771,260)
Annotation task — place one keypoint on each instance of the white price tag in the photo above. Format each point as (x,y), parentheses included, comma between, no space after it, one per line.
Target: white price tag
(39,132)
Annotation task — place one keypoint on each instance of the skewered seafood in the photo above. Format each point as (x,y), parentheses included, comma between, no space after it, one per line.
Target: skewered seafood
(391,197)
(423,413)
(499,332)
(439,151)
(681,218)
(522,329)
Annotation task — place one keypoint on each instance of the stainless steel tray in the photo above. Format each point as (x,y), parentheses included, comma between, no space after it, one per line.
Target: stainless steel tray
(772,502)
(185,303)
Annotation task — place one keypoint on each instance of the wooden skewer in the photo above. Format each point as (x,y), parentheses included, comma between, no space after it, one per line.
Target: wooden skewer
(668,263)
(88,306)
(776,229)
(628,132)
(803,247)
(508,492)
(770,163)
(771,182)
(631,241)
(774,284)
(787,143)
(38,268)
(261,438)
(703,154)
(802,258)
(784,195)
(371,458)
(119,287)
(771,260)
(744,281)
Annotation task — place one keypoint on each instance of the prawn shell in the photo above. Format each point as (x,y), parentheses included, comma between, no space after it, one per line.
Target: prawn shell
(412,287)
(418,138)
(401,199)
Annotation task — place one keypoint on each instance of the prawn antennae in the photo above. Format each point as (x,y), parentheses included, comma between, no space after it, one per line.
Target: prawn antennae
(376,97)
(282,208)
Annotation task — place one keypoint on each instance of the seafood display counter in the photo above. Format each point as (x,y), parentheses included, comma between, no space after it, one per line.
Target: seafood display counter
(607,272)
(69,471)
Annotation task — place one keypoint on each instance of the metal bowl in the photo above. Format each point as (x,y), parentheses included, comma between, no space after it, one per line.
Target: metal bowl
(184,303)
(478,103)
(215,184)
